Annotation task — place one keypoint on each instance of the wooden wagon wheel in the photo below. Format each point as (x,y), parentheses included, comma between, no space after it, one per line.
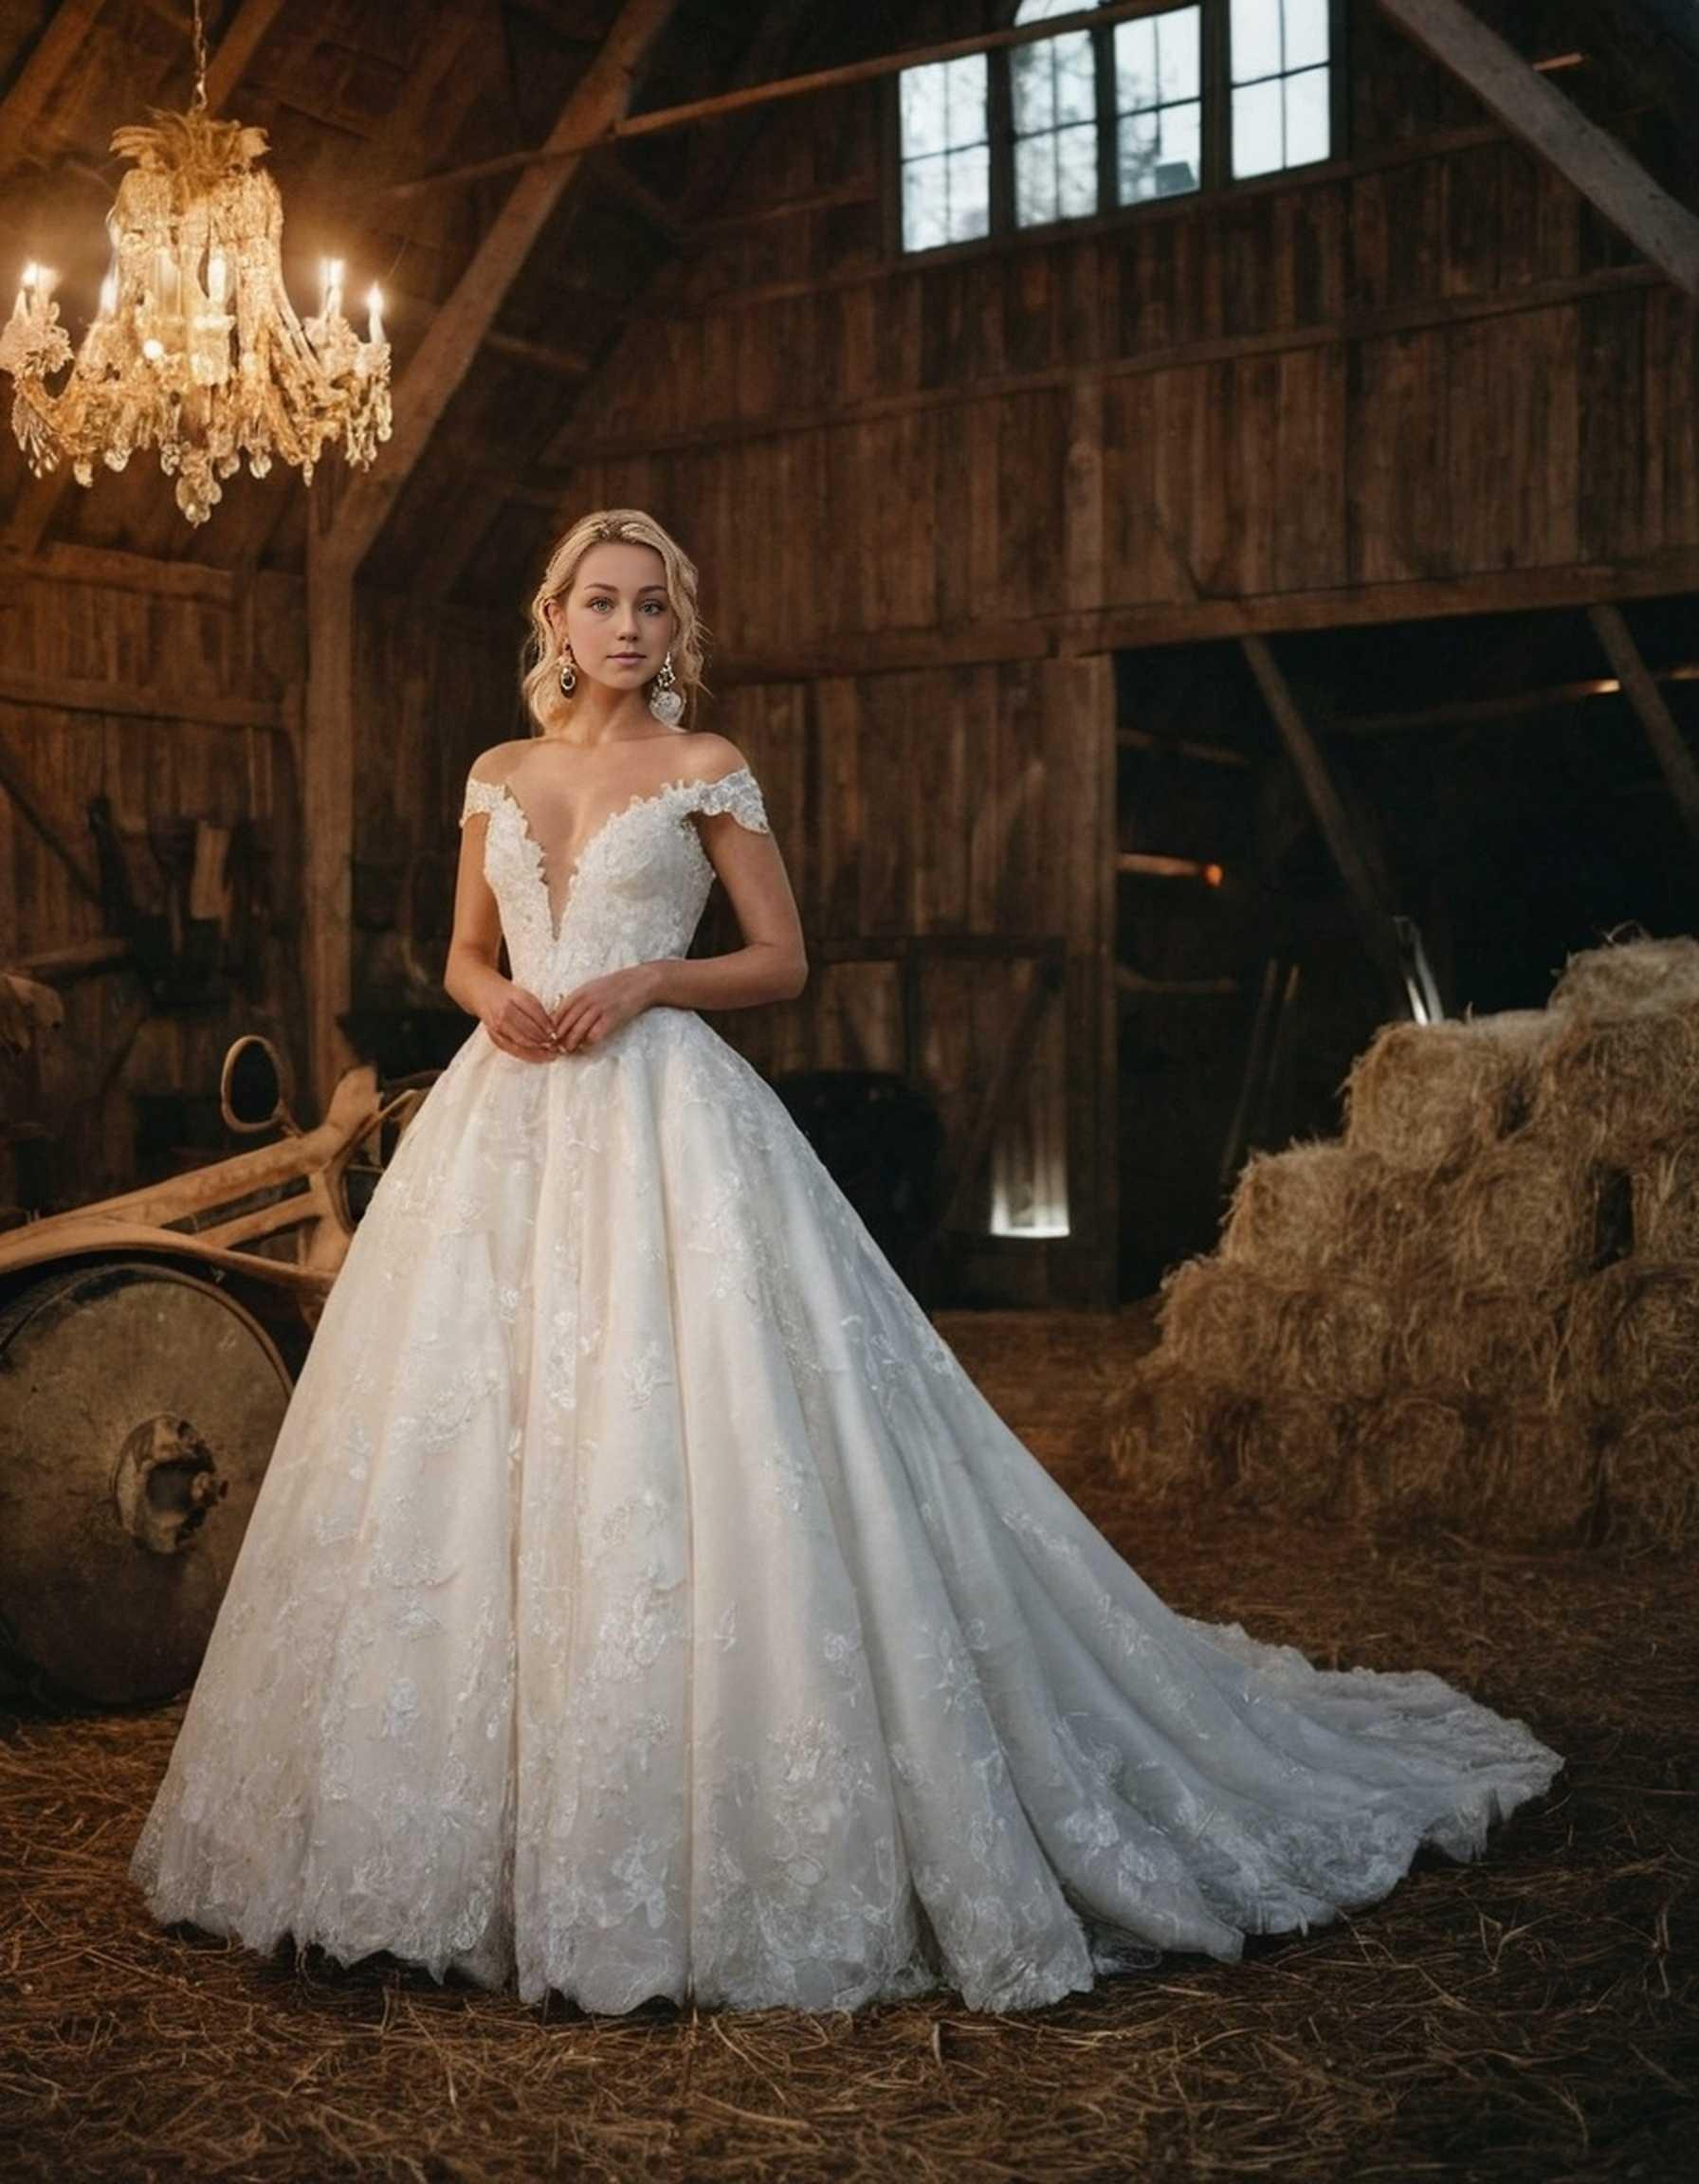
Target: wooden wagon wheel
(138,1408)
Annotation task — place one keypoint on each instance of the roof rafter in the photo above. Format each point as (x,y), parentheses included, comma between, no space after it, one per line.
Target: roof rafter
(1535,111)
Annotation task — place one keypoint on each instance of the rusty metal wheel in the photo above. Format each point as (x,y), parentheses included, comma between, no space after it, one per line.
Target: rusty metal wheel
(138,1408)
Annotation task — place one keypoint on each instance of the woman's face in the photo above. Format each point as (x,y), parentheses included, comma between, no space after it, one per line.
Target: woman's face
(617,617)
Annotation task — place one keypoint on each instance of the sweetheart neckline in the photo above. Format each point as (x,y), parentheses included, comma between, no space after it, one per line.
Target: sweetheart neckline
(639,798)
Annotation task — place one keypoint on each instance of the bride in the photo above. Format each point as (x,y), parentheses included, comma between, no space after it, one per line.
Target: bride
(641,1600)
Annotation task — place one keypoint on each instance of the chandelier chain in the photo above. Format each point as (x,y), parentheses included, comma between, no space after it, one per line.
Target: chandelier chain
(200,61)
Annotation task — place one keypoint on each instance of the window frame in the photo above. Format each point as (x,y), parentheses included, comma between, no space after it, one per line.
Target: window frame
(1216,178)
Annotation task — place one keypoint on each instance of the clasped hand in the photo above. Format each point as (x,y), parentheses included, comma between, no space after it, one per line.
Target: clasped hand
(591,1012)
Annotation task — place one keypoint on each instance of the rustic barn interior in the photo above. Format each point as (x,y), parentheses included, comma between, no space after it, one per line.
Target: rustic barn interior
(1202,553)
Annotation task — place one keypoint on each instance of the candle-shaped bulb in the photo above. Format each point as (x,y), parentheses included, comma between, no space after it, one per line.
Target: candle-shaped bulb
(109,295)
(216,280)
(32,273)
(374,312)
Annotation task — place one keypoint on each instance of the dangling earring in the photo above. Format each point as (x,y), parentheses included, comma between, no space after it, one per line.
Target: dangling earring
(569,680)
(665,702)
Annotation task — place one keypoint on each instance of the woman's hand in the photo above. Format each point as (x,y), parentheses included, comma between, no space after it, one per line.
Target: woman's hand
(597,1009)
(518,1024)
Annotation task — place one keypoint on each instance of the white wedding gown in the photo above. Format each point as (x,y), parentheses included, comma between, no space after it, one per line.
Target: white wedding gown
(642,1600)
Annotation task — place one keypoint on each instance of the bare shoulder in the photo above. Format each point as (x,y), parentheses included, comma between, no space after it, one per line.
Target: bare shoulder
(499,762)
(709,756)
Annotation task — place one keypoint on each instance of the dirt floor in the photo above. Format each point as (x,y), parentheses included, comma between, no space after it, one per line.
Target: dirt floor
(1533,2015)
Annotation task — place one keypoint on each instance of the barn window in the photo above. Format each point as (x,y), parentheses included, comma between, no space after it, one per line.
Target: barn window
(1280,84)
(1169,100)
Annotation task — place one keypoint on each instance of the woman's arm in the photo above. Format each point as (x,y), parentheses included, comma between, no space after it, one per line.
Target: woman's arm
(773,963)
(516,1020)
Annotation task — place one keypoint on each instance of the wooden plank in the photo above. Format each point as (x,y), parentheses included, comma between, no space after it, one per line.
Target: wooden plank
(1669,745)
(1537,112)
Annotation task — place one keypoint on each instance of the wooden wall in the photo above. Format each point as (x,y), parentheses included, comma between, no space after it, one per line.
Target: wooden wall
(177,703)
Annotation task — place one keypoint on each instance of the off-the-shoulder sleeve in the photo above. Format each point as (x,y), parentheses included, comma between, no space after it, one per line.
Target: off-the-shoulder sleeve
(738,792)
(481,796)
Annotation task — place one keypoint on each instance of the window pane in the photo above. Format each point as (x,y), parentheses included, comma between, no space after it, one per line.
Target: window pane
(1034,180)
(922,111)
(926,203)
(1076,164)
(1307,136)
(1305,32)
(1181,167)
(1256,34)
(1256,138)
(1076,77)
(1177,48)
(970,193)
(966,100)
(1034,88)
(1139,151)
(1136,65)
(1042,10)
(942,103)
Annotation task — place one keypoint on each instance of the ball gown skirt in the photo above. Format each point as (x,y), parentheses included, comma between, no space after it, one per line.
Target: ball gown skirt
(642,1601)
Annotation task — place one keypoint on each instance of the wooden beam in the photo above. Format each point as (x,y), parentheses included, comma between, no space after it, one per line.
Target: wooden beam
(1668,743)
(62,562)
(540,355)
(51,57)
(1537,112)
(80,694)
(454,336)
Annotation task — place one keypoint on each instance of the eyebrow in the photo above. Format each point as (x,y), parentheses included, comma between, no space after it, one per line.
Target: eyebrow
(601,584)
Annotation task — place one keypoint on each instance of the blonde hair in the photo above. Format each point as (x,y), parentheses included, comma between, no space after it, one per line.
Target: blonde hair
(548,704)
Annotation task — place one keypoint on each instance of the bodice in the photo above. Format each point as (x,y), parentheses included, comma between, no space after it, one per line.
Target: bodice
(638,888)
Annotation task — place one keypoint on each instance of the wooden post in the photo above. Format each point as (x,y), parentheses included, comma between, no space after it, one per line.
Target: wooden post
(327,778)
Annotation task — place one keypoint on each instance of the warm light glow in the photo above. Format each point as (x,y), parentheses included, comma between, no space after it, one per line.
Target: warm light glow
(206,374)
(1213,875)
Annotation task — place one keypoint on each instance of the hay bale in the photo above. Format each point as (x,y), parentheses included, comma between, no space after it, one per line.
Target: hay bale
(1612,1087)
(1533,1478)
(1291,1210)
(1321,1208)
(1524,1213)
(1237,1328)
(1213,1314)
(1635,1347)
(1664,1183)
(1170,1434)
(1429,1096)
(1649,1483)
(1520,1474)
(1493,1341)
(1289,1456)
(1625,976)
(1406,1455)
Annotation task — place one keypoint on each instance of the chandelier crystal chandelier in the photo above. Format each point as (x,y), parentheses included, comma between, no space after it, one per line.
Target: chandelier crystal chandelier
(196,349)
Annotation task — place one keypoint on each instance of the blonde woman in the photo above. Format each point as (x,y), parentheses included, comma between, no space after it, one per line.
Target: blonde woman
(641,1600)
